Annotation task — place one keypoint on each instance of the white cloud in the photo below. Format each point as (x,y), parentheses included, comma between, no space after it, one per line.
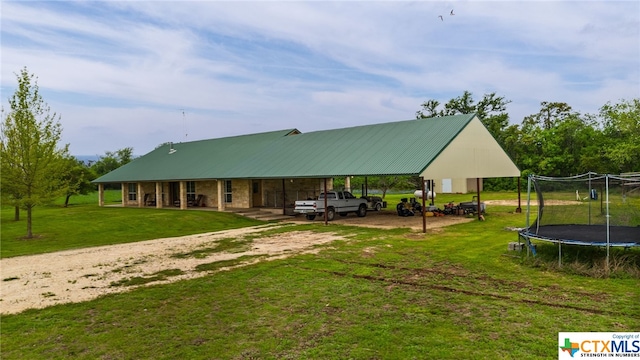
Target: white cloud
(126,68)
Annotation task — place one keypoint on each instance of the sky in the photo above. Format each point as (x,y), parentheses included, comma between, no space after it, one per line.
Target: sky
(142,73)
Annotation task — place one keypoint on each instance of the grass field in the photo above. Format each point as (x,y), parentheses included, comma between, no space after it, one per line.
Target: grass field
(381,294)
(85,224)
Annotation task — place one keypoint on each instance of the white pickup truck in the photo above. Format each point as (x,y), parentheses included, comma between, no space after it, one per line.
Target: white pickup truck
(341,202)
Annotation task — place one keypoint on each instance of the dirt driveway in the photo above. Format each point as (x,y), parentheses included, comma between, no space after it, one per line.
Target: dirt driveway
(39,281)
(390,220)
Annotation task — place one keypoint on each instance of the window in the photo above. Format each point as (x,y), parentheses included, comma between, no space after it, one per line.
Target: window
(227,191)
(191,191)
(133,192)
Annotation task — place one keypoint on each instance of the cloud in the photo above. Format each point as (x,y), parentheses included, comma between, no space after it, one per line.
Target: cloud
(126,69)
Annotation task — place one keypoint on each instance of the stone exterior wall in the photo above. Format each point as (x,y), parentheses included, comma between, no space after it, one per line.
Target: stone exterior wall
(210,191)
(241,192)
(125,195)
(150,189)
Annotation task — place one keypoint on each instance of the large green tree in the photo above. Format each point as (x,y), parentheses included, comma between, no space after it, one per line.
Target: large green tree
(112,160)
(32,160)
(622,134)
(491,110)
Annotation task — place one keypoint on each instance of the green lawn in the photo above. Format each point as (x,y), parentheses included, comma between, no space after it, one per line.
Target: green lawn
(382,294)
(85,224)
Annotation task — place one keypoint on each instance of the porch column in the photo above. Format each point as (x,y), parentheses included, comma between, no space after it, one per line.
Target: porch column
(124,189)
(519,208)
(479,206)
(159,195)
(220,195)
(366,186)
(183,195)
(424,210)
(284,199)
(140,197)
(347,184)
(326,220)
(100,194)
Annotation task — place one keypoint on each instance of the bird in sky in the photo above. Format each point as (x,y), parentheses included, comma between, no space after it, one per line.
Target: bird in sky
(451,12)
(440,16)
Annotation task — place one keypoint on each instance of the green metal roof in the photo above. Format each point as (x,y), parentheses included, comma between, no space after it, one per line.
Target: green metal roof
(396,148)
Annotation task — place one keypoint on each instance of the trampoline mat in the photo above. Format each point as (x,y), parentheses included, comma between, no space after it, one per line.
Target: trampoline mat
(590,233)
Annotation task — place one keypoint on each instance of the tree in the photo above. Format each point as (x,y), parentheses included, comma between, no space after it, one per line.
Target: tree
(549,115)
(491,110)
(429,109)
(385,183)
(10,191)
(33,167)
(78,178)
(622,131)
(112,160)
(558,141)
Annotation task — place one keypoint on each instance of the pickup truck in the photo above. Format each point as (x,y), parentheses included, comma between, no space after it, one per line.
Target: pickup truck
(341,202)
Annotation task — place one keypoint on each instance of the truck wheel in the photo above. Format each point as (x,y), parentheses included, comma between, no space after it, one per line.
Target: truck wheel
(310,217)
(342,213)
(378,207)
(362,211)
(331,213)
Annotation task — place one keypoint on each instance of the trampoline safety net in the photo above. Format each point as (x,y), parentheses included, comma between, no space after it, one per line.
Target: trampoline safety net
(588,209)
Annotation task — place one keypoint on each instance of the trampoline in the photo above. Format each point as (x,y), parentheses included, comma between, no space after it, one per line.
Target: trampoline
(588,210)
(594,235)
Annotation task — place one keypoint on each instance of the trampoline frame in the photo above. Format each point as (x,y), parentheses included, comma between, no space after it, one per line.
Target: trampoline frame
(528,235)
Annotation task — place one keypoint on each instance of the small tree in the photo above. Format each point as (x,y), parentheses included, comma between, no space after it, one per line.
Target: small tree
(386,183)
(78,178)
(33,166)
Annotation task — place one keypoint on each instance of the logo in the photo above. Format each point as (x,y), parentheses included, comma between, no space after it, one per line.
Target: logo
(598,344)
(570,347)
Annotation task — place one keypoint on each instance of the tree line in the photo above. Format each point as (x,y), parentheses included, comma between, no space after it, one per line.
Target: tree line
(557,141)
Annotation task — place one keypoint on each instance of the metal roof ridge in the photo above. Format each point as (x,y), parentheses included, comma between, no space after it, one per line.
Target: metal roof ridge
(470,116)
(285,131)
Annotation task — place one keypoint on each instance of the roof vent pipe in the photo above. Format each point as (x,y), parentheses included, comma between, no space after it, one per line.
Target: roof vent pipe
(171,149)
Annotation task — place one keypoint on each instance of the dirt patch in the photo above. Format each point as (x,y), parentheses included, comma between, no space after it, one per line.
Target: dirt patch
(391,220)
(39,281)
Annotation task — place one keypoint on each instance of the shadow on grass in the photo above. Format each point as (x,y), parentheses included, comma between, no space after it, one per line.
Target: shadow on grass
(586,261)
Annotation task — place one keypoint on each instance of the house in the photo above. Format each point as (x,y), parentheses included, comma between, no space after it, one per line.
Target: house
(273,169)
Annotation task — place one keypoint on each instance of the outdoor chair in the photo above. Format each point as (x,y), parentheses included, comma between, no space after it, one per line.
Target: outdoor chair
(150,199)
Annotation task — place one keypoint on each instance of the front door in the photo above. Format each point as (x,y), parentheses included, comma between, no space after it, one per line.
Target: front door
(256,192)
(174,193)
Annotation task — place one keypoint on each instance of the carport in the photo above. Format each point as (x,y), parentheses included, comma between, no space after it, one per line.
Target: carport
(457,146)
